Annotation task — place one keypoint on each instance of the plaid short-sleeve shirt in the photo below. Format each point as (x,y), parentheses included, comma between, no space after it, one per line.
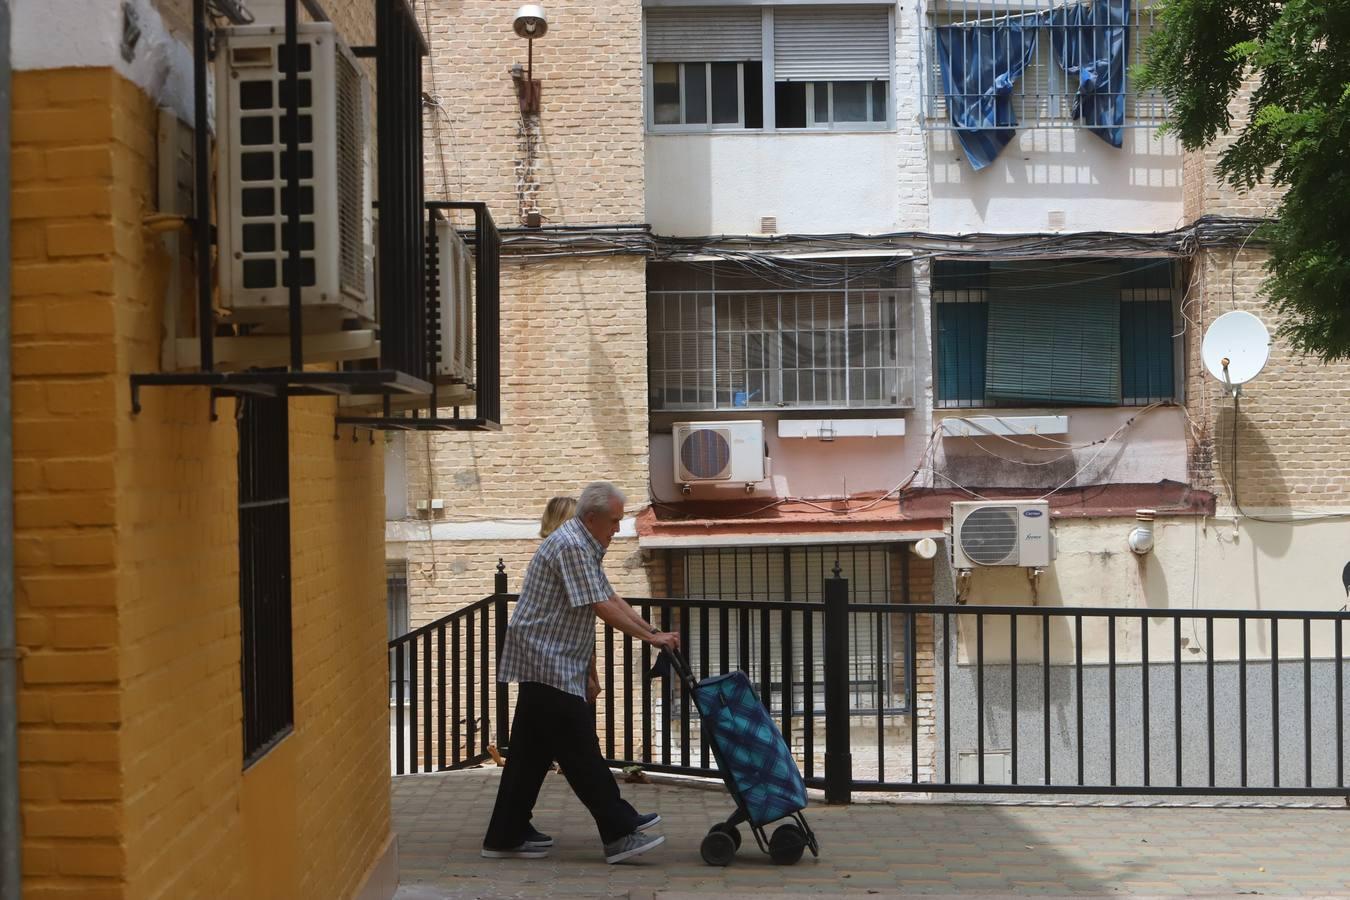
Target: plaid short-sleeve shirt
(552,633)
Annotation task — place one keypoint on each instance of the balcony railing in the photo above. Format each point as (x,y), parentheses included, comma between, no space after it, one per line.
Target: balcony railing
(1000,699)
(1045,95)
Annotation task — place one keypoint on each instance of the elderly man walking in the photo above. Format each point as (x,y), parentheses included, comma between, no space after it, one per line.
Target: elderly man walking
(549,653)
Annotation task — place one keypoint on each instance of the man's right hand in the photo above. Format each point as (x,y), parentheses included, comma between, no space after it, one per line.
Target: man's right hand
(666,640)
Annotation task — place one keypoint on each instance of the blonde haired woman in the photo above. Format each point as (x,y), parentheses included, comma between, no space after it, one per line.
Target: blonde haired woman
(558,511)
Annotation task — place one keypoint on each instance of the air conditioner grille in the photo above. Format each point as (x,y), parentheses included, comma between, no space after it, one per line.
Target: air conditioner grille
(351,180)
(706,453)
(989,534)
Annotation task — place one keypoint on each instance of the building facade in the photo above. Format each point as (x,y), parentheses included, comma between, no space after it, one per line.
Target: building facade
(199,602)
(900,249)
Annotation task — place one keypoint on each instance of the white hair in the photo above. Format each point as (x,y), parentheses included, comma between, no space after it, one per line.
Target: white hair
(596,498)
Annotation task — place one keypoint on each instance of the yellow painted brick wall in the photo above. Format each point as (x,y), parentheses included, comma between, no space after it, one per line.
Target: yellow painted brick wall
(131,741)
(65,439)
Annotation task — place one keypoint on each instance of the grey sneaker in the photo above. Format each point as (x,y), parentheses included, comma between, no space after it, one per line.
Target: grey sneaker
(524,851)
(631,845)
(648,821)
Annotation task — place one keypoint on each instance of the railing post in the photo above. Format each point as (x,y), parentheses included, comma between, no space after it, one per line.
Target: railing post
(503,697)
(838,755)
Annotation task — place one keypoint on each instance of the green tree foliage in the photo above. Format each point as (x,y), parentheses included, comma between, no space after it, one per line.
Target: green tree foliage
(1296,136)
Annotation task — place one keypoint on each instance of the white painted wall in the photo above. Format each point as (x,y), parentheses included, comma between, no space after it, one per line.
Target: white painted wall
(806,467)
(1076,173)
(1197,563)
(704,184)
(1152,449)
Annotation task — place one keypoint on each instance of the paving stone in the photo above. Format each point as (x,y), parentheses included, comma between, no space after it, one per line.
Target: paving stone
(873,849)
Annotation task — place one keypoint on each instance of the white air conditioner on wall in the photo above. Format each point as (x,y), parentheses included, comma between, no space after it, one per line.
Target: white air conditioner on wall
(335,178)
(454,275)
(1001,533)
(719,452)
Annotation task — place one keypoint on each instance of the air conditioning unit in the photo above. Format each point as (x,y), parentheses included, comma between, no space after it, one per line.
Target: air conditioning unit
(719,452)
(455,297)
(1001,533)
(334,167)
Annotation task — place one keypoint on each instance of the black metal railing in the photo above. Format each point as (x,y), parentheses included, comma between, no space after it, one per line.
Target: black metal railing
(997,699)
(1123,701)
(404,365)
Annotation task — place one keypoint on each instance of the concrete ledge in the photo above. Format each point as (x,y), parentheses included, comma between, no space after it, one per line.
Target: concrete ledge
(381,879)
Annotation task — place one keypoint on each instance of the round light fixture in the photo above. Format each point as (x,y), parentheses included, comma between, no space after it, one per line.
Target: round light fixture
(530,23)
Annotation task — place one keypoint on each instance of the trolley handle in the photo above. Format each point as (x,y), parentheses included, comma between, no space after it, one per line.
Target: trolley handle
(673,659)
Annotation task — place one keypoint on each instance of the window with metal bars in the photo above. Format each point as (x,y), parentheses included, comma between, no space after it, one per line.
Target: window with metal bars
(1046,93)
(266,673)
(877,641)
(1069,332)
(794,334)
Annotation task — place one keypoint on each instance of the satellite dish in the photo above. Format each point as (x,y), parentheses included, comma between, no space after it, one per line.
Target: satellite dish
(1236,348)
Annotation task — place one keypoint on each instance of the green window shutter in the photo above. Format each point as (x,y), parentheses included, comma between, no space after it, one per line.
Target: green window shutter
(961,329)
(1054,333)
(1146,328)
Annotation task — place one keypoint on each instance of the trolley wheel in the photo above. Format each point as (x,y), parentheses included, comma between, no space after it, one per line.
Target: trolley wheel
(786,845)
(718,848)
(727,828)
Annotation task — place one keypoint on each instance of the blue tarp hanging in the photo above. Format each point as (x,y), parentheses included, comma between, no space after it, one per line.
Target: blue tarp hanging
(980,64)
(1091,44)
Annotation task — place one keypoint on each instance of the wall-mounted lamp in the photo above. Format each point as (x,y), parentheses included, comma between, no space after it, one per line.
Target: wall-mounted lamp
(531,24)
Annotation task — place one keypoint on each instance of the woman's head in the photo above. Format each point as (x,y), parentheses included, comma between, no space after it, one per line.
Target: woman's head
(558,511)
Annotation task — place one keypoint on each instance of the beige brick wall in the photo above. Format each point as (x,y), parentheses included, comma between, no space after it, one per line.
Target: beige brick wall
(446,575)
(1295,416)
(1206,193)
(574,396)
(587,166)
(1294,419)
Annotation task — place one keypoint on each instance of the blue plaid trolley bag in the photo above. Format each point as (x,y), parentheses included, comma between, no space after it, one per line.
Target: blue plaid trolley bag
(756,765)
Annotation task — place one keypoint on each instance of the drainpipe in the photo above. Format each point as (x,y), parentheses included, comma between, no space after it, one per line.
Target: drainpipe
(9,682)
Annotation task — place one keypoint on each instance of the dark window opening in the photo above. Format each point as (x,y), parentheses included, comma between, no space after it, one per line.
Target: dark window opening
(790,104)
(753,76)
(266,666)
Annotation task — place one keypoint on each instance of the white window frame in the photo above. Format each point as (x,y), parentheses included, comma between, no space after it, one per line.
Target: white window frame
(697,127)
(769,83)
(830,124)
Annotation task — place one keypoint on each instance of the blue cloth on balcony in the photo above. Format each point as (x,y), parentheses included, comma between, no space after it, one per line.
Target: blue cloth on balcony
(980,64)
(1091,44)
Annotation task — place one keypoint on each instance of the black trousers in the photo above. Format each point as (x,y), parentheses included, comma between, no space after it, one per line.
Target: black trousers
(551,724)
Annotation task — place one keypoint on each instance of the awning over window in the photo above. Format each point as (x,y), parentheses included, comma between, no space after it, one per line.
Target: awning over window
(832,44)
(704,35)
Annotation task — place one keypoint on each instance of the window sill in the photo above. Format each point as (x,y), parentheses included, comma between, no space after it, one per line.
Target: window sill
(709,132)
(838,412)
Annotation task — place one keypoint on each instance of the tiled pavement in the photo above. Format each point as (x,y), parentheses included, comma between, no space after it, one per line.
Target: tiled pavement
(875,849)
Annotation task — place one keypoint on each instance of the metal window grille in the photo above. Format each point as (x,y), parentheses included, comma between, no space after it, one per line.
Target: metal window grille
(396,593)
(1044,96)
(797,575)
(724,336)
(1149,295)
(265,573)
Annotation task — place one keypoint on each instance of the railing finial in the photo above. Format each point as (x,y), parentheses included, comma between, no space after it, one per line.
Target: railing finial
(838,572)
(501,566)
